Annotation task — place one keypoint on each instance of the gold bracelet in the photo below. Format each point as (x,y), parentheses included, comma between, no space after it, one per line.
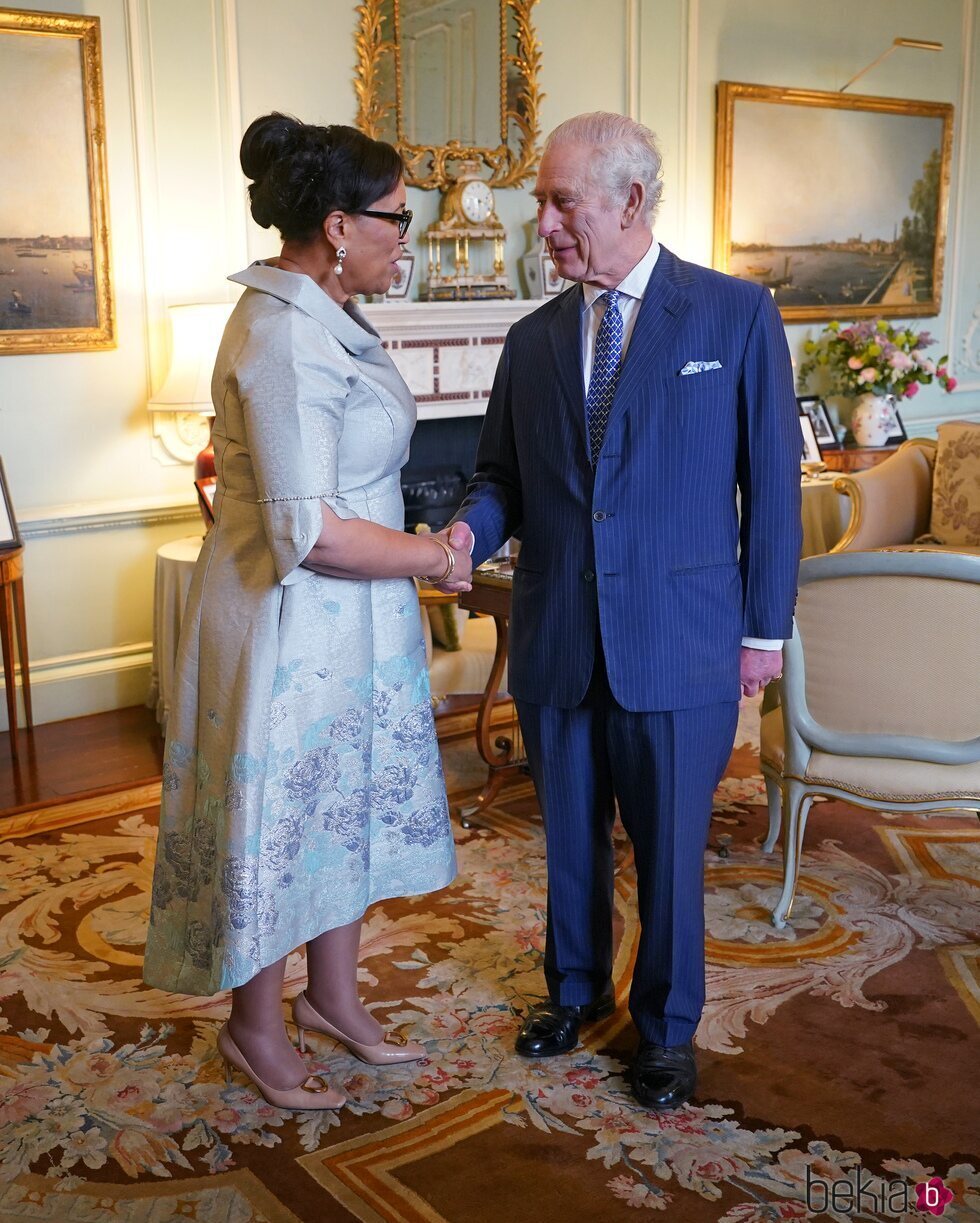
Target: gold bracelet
(450,563)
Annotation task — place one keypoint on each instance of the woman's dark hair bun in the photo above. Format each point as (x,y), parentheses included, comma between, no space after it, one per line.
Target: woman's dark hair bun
(266,139)
(301,171)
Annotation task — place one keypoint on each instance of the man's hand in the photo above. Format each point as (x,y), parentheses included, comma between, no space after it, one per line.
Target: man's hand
(757,668)
(460,539)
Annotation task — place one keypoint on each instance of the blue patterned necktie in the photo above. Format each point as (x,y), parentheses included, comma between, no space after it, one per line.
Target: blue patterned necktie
(605,372)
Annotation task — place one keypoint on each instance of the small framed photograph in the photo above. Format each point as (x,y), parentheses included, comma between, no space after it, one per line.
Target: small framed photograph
(403,278)
(810,451)
(823,427)
(898,434)
(205,497)
(9,534)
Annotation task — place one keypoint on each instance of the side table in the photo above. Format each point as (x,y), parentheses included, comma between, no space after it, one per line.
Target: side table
(857,458)
(13,618)
(503,753)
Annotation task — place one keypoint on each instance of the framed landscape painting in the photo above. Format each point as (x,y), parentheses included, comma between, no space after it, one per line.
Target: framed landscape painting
(55,293)
(837,204)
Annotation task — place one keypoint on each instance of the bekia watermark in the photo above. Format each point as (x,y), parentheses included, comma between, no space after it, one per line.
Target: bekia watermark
(860,1193)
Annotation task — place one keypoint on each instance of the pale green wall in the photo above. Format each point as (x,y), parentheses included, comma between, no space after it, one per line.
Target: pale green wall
(183,77)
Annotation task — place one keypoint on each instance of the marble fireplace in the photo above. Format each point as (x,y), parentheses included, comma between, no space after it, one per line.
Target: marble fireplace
(447,352)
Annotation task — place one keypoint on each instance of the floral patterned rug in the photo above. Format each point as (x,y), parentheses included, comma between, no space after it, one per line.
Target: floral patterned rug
(838,1056)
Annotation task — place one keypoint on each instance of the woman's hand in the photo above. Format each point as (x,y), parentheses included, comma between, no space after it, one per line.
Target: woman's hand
(460,538)
(357,548)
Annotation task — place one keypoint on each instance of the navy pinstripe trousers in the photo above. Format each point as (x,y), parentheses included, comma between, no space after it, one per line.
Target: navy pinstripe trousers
(662,769)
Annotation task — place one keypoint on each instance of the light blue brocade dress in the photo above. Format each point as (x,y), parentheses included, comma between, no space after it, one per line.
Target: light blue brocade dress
(302,779)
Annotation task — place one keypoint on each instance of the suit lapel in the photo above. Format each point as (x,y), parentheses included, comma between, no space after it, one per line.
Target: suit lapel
(662,310)
(565,334)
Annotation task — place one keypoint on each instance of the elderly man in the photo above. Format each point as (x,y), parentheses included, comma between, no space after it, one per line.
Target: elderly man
(624,414)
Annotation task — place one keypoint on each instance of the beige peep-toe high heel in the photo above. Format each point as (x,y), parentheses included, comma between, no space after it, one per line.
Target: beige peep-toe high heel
(393,1048)
(301,1099)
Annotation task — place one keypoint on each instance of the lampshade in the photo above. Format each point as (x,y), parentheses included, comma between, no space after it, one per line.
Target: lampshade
(195,336)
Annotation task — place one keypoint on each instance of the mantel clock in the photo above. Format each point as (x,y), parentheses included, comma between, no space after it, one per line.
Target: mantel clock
(466,245)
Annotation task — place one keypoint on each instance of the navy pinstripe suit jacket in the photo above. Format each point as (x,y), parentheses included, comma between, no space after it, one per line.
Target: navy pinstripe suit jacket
(648,548)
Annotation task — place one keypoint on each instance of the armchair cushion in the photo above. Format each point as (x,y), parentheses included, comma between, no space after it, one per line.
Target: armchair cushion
(448,624)
(956,486)
(877,777)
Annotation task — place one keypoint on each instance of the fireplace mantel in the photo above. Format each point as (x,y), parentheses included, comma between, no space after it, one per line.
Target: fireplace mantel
(447,352)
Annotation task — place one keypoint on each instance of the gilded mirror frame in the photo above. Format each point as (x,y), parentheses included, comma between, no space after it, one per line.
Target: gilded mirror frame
(427,166)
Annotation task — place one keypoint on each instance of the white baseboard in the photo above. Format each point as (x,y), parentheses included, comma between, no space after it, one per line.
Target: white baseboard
(73,685)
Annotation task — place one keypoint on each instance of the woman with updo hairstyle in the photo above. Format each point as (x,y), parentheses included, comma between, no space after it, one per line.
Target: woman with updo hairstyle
(302,779)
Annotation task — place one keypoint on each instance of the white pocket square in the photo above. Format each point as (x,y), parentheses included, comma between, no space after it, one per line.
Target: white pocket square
(700,367)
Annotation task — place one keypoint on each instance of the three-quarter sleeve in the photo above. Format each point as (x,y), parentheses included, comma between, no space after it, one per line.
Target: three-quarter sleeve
(294,380)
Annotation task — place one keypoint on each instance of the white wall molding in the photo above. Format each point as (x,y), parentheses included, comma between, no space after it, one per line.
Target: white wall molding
(687,108)
(229,94)
(91,681)
(957,333)
(169,436)
(105,515)
(147,183)
(633,58)
(929,424)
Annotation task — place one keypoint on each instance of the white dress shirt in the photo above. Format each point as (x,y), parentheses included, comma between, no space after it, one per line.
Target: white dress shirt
(631,289)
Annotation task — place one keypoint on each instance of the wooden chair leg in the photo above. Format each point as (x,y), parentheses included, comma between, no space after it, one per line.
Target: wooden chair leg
(9,677)
(20,615)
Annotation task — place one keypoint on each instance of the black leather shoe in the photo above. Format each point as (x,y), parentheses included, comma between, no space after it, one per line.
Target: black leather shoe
(664,1077)
(551,1028)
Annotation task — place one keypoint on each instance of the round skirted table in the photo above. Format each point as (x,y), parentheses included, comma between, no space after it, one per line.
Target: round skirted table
(174,570)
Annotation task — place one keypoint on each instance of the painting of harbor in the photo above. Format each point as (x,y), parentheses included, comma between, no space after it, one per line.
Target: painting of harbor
(54,291)
(836,205)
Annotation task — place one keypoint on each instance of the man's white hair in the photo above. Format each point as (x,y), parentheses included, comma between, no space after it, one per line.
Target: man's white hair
(625,152)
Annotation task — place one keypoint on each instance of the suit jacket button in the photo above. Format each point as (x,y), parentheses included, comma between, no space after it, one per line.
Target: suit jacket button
(589,575)
(599,516)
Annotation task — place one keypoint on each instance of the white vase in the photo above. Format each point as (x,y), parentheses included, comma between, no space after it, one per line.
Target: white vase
(873,419)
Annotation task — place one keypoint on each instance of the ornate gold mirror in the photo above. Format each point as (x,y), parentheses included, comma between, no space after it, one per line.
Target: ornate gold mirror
(448,81)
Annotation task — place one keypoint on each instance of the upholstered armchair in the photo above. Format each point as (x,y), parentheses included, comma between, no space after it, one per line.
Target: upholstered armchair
(896,504)
(890,503)
(879,702)
(459,649)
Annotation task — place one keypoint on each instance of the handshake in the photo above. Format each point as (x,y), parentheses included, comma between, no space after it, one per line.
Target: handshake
(460,539)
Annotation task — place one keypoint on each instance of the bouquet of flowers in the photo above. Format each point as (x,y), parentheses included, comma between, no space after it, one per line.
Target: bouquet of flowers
(874,357)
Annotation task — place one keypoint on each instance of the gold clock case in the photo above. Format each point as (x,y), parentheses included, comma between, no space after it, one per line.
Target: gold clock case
(378,84)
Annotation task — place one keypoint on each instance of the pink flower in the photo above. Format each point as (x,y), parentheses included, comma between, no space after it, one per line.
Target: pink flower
(396,1110)
(900,360)
(868,374)
(951,384)
(911,390)
(492,1023)
(855,362)
(24,1100)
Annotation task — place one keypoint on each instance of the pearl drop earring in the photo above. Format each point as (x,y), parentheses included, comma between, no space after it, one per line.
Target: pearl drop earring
(341,256)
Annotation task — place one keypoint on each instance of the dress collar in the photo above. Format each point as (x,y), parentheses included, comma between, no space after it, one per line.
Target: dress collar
(347,323)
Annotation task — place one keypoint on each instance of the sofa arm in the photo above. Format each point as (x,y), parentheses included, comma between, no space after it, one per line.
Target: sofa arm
(890,503)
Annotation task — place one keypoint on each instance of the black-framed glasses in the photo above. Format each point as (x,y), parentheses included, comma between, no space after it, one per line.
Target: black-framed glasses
(402,219)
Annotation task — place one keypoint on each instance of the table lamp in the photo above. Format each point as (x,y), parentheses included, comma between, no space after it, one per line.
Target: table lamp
(195,335)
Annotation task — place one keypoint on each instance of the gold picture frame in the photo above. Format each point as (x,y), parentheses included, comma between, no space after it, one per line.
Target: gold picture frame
(381,110)
(55,285)
(837,203)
